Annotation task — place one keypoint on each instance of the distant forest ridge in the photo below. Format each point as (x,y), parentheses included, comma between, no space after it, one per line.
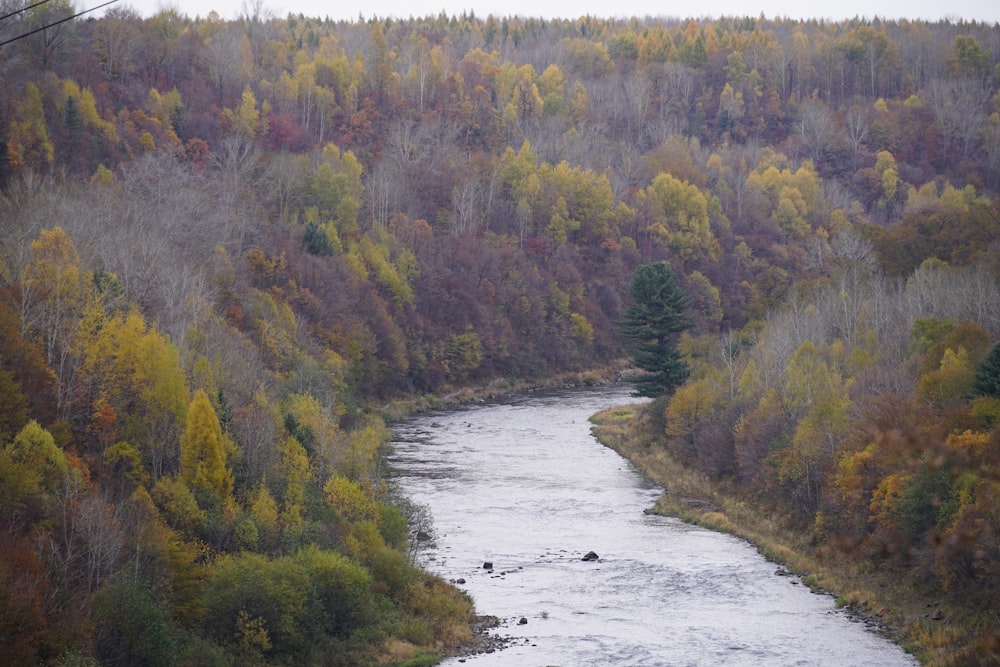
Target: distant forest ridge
(227,245)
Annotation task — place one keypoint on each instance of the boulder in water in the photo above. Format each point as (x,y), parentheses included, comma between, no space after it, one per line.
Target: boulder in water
(590,555)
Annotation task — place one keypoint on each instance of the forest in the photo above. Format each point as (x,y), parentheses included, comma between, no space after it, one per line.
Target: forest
(226,247)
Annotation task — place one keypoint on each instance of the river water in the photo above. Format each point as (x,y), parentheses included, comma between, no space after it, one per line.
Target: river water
(523,484)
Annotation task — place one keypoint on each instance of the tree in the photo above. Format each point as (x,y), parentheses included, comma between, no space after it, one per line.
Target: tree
(987,380)
(656,316)
(203,449)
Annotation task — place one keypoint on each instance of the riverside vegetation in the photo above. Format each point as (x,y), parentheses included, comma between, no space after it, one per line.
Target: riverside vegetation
(225,246)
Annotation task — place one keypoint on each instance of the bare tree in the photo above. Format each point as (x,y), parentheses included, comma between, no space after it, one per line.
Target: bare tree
(117,42)
(960,106)
(858,121)
(816,128)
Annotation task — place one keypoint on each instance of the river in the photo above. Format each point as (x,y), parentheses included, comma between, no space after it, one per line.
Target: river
(523,484)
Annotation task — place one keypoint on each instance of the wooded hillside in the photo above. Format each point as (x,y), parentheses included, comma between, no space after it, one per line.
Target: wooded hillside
(224,243)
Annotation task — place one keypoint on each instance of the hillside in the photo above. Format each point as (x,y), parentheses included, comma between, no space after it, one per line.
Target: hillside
(226,244)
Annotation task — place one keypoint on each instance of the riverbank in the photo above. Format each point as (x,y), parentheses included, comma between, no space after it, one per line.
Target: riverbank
(933,629)
(499,387)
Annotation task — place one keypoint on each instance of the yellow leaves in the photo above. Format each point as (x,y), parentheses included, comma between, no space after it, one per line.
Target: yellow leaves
(582,330)
(886,499)
(204,449)
(976,448)
(816,390)
(350,500)
(127,362)
(53,272)
(246,120)
(28,145)
(336,188)
(298,472)
(885,167)
(86,104)
(252,637)
(315,427)
(690,405)
(794,197)
(705,297)
(560,224)
(35,449)
(377,258)
(552,87)
(789,214)
(953,379)
(103,176)
(680,214)
(179,507)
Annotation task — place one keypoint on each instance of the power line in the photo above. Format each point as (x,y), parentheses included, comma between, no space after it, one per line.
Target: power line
(55,23)
(23,9)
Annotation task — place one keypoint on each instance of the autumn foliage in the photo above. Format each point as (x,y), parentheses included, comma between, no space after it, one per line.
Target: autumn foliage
(225,245)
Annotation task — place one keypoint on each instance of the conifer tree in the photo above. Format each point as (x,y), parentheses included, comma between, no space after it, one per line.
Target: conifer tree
(203,449)
(658,313)
(987,382)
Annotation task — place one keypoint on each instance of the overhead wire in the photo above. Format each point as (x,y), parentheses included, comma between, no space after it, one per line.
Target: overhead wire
(54,23)
(23,9)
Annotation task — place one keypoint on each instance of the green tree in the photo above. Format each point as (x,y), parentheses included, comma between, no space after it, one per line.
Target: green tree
(987,380)
(658,313)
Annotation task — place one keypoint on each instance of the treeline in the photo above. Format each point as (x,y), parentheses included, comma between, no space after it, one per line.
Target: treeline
(225,244)
(866,413)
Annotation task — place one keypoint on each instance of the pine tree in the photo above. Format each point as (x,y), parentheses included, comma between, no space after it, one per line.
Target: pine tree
(987,382)
(658,313)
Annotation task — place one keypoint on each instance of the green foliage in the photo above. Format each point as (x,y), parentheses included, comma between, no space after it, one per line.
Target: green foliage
(132,627)
(262,607)
(656,316)
(343,589)
(316,241)
(987,379)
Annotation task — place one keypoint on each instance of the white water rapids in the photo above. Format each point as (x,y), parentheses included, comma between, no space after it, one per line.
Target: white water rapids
(523,484)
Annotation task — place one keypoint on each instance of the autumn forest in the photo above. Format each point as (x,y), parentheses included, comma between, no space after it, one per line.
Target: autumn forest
(226,247)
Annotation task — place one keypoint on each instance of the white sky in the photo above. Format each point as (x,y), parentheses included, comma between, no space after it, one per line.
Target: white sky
(932,10)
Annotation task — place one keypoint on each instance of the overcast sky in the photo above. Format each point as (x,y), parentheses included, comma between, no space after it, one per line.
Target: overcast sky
(932,10)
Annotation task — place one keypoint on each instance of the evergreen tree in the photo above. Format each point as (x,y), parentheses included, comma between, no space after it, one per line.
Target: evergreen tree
(987,382)
(658,313)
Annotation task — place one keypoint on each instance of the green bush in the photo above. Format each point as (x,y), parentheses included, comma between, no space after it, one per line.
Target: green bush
(343,590)
(131,628)
(262,606)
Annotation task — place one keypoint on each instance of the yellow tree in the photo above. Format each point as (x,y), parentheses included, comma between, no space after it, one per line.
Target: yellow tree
(350,500)
(688,411)
(29,146)
(247,120)
(817,394)
(204,449)
(55,290)
(135,372)
(679,212)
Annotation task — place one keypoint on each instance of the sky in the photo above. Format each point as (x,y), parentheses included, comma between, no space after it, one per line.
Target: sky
(835,10)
